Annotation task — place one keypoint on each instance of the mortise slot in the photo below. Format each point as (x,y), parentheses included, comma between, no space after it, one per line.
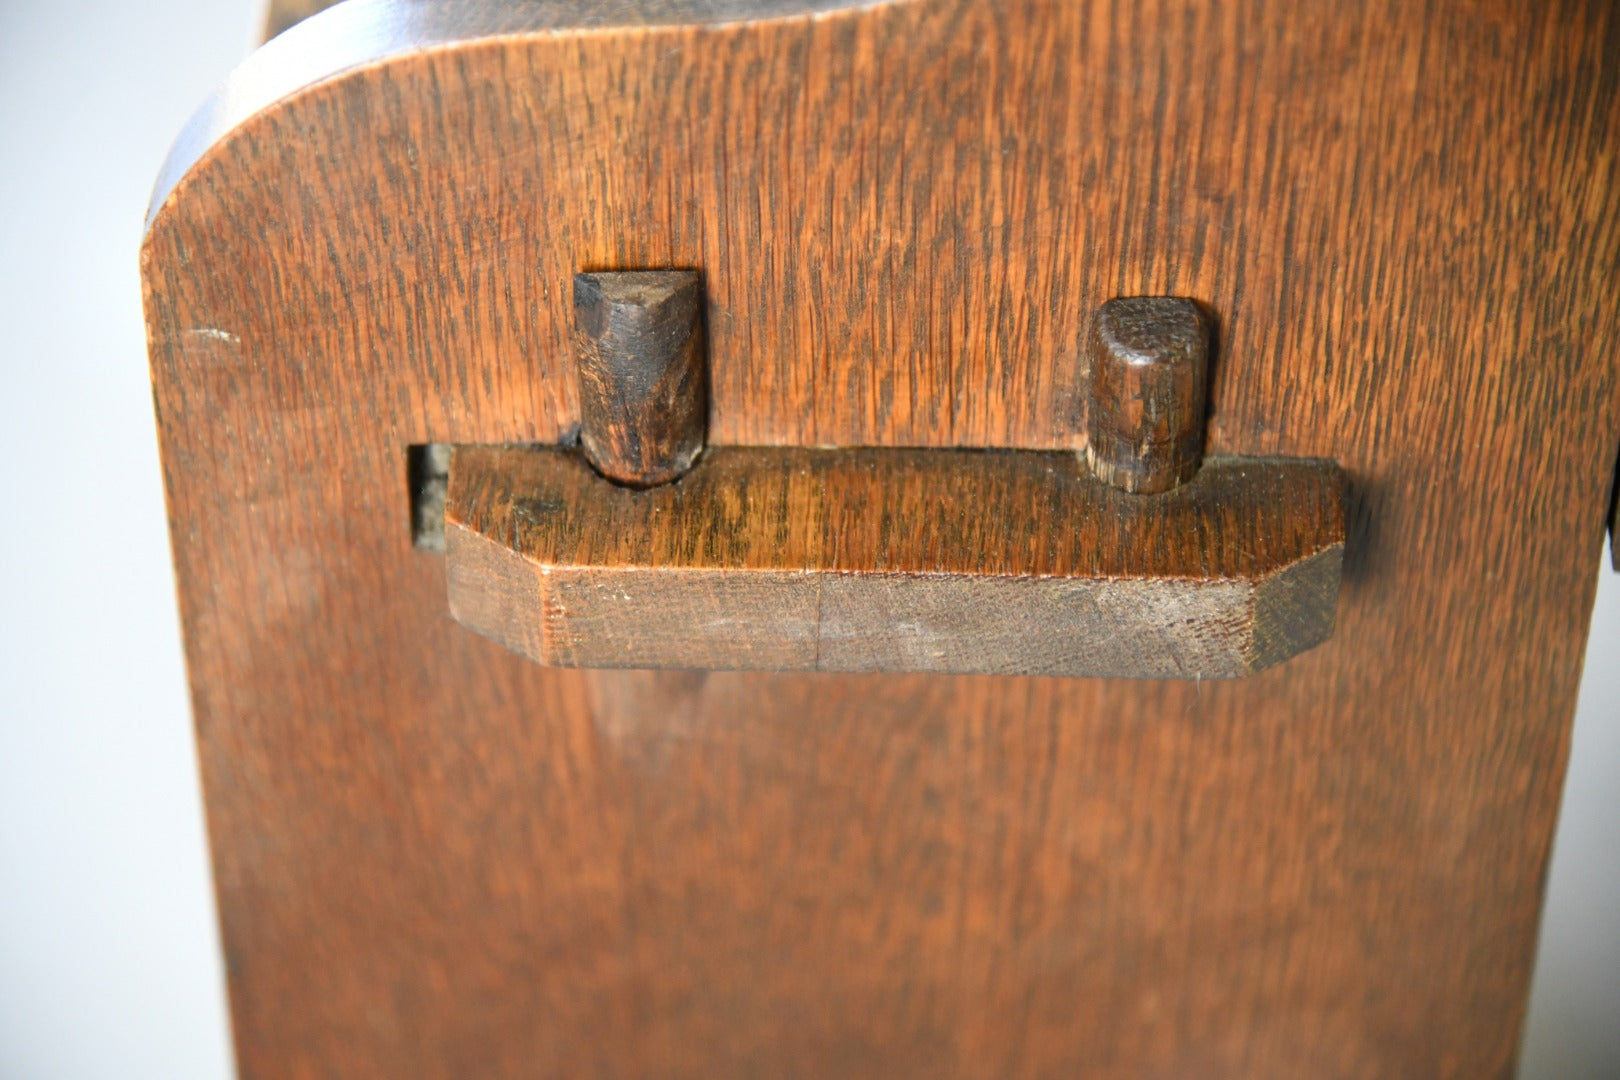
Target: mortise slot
(427,470)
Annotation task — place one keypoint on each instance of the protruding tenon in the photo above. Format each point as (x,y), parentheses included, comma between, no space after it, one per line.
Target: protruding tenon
(643,373)
(1149,377)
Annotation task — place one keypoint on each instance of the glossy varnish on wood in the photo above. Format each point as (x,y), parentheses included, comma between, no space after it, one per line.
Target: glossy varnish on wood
(435,858)
(895,560)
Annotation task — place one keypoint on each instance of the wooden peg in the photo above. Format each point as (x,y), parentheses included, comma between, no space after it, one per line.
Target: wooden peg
(1149,377)
(643,373)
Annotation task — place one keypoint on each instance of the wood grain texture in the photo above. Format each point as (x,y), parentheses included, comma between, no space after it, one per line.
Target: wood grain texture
(643,373)
(435,858)
(896,561)
(1146,393)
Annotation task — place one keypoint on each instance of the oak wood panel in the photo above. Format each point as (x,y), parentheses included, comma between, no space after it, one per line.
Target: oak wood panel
(990,563)
(437,859)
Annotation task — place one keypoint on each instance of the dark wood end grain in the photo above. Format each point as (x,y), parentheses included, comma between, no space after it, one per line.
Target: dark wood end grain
(895,561)
(643,373)
(1146,401)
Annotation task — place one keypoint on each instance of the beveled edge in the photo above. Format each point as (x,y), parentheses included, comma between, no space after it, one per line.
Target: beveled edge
(500,589)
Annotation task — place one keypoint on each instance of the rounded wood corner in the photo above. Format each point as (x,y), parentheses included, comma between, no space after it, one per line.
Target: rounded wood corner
(309,43)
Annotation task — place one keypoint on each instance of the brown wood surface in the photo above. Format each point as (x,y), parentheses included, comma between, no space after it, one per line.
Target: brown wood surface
(643,373)
(1146,392)
(1008,563)
(435,858)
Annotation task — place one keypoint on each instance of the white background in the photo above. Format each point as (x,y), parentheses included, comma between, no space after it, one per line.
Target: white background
(109,961)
